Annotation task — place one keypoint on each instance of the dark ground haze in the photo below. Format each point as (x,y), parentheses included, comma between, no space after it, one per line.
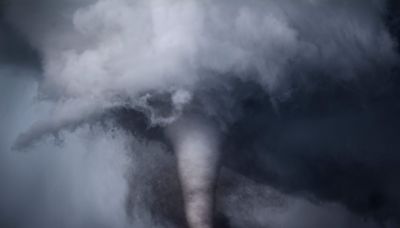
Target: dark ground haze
(324,154)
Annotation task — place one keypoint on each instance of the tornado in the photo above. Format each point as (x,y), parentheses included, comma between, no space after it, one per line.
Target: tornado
(309,108)
(196,144)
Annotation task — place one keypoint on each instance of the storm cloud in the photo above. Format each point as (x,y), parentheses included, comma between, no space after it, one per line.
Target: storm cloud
(300,98)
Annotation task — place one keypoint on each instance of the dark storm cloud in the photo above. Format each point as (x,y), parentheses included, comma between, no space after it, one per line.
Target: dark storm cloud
(331,141)
(14,48)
